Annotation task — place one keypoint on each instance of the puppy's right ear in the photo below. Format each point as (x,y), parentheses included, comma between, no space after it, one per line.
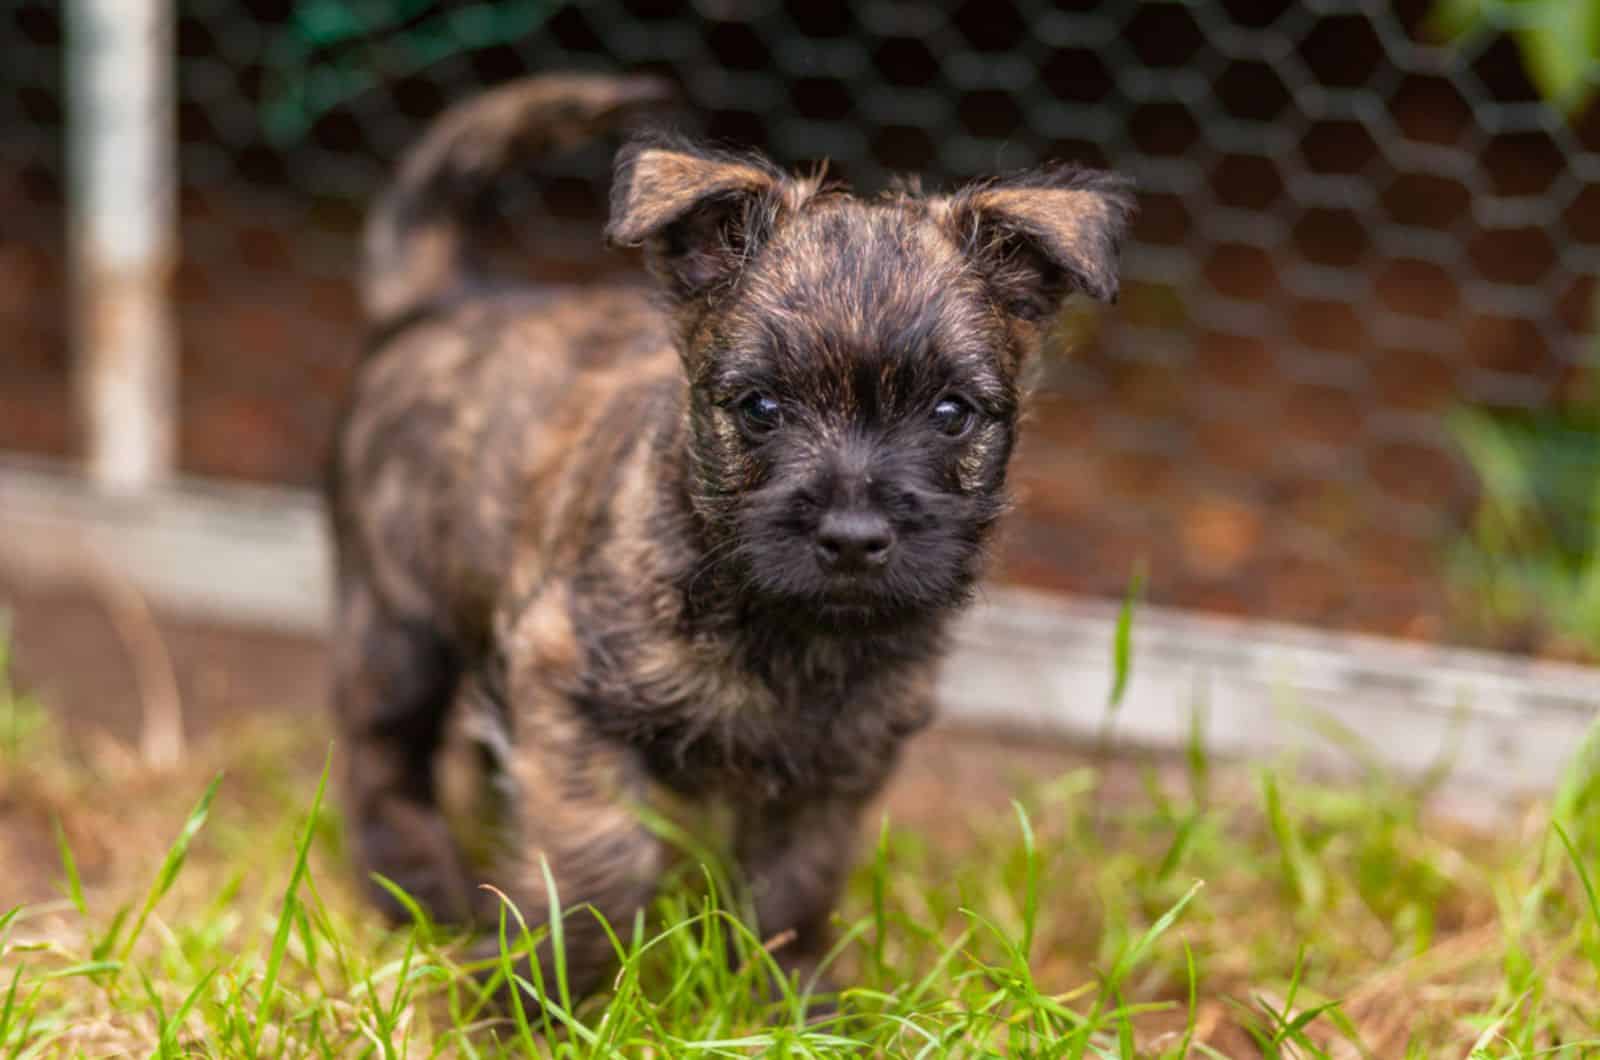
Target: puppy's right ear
(698,213)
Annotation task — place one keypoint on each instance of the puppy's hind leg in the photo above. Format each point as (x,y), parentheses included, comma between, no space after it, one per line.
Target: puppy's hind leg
(394,680)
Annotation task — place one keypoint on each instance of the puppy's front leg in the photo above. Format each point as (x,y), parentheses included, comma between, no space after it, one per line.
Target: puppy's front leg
(576,816)
(575,799)
(796,857)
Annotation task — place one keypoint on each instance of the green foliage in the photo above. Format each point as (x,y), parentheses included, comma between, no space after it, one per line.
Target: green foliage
(1532,556)
(331,51)
(1559,40)
(1122,644)
(22,719)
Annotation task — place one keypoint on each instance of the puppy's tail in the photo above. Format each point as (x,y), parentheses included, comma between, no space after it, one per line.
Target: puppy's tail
(418,244)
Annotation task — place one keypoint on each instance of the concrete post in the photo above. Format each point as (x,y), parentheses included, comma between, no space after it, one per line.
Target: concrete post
(123,162)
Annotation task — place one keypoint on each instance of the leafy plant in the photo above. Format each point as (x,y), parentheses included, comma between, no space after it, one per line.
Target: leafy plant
(22,718)
(1532,556)
(1559,40)
(331,51)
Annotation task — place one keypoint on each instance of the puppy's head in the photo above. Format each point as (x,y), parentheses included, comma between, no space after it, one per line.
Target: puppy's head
(853,364)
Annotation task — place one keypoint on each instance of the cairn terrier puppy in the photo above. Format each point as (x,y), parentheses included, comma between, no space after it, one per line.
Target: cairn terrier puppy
(702,546)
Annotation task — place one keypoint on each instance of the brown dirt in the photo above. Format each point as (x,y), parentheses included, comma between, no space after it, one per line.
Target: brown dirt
(69,654)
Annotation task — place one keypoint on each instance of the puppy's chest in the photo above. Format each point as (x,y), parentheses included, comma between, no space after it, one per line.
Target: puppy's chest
(706,720)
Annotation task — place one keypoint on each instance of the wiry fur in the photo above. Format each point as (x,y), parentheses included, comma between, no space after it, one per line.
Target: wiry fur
(418,246)
(557,535)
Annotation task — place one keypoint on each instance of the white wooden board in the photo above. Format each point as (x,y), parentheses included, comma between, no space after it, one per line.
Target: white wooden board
(1507,725)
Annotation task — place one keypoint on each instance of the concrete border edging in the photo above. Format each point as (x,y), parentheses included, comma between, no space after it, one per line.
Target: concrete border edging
(1024,660)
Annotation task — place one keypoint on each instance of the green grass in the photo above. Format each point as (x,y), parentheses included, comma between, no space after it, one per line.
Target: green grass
(1527,570)
(1116,909)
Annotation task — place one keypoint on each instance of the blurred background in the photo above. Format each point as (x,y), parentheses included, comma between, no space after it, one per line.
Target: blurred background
(1350,382)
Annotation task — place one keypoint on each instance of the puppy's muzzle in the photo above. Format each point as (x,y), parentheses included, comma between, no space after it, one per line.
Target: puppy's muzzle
(853,542)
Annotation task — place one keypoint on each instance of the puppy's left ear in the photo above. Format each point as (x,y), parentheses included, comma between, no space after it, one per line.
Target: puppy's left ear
(1039,236)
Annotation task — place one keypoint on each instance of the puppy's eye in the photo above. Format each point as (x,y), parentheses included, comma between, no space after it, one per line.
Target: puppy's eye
(953,416)
(759,414)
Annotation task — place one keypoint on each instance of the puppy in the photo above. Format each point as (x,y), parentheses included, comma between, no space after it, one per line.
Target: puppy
(703,546)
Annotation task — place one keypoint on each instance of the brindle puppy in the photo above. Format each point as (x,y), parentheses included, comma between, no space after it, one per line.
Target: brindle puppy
(705,545)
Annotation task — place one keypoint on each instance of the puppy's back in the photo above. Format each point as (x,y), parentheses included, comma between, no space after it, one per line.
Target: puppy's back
(458,449)
(419,245)
(464,396)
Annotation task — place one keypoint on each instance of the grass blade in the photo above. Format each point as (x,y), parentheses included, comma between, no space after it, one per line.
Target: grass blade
(69,865)
(1122,645)
(508,971)
(1030,893)
(1192,1015)
(1299,869)
(1136,953)
(286,918)
(172,864)
(1583,873)
(880,887)
(169,1031)
(558,937)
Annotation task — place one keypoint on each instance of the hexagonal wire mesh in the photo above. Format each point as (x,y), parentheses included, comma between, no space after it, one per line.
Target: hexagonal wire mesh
(1347,229)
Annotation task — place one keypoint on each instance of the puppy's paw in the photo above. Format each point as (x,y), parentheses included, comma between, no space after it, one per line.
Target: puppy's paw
(815,990)
(411,846)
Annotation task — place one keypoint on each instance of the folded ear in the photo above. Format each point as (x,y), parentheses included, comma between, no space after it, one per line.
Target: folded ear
(1038,236)
(699,213)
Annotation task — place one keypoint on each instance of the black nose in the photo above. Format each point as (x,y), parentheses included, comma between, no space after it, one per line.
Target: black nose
(856,541)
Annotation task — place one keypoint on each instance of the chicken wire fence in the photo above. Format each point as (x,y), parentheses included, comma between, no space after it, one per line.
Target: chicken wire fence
(1351,230)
